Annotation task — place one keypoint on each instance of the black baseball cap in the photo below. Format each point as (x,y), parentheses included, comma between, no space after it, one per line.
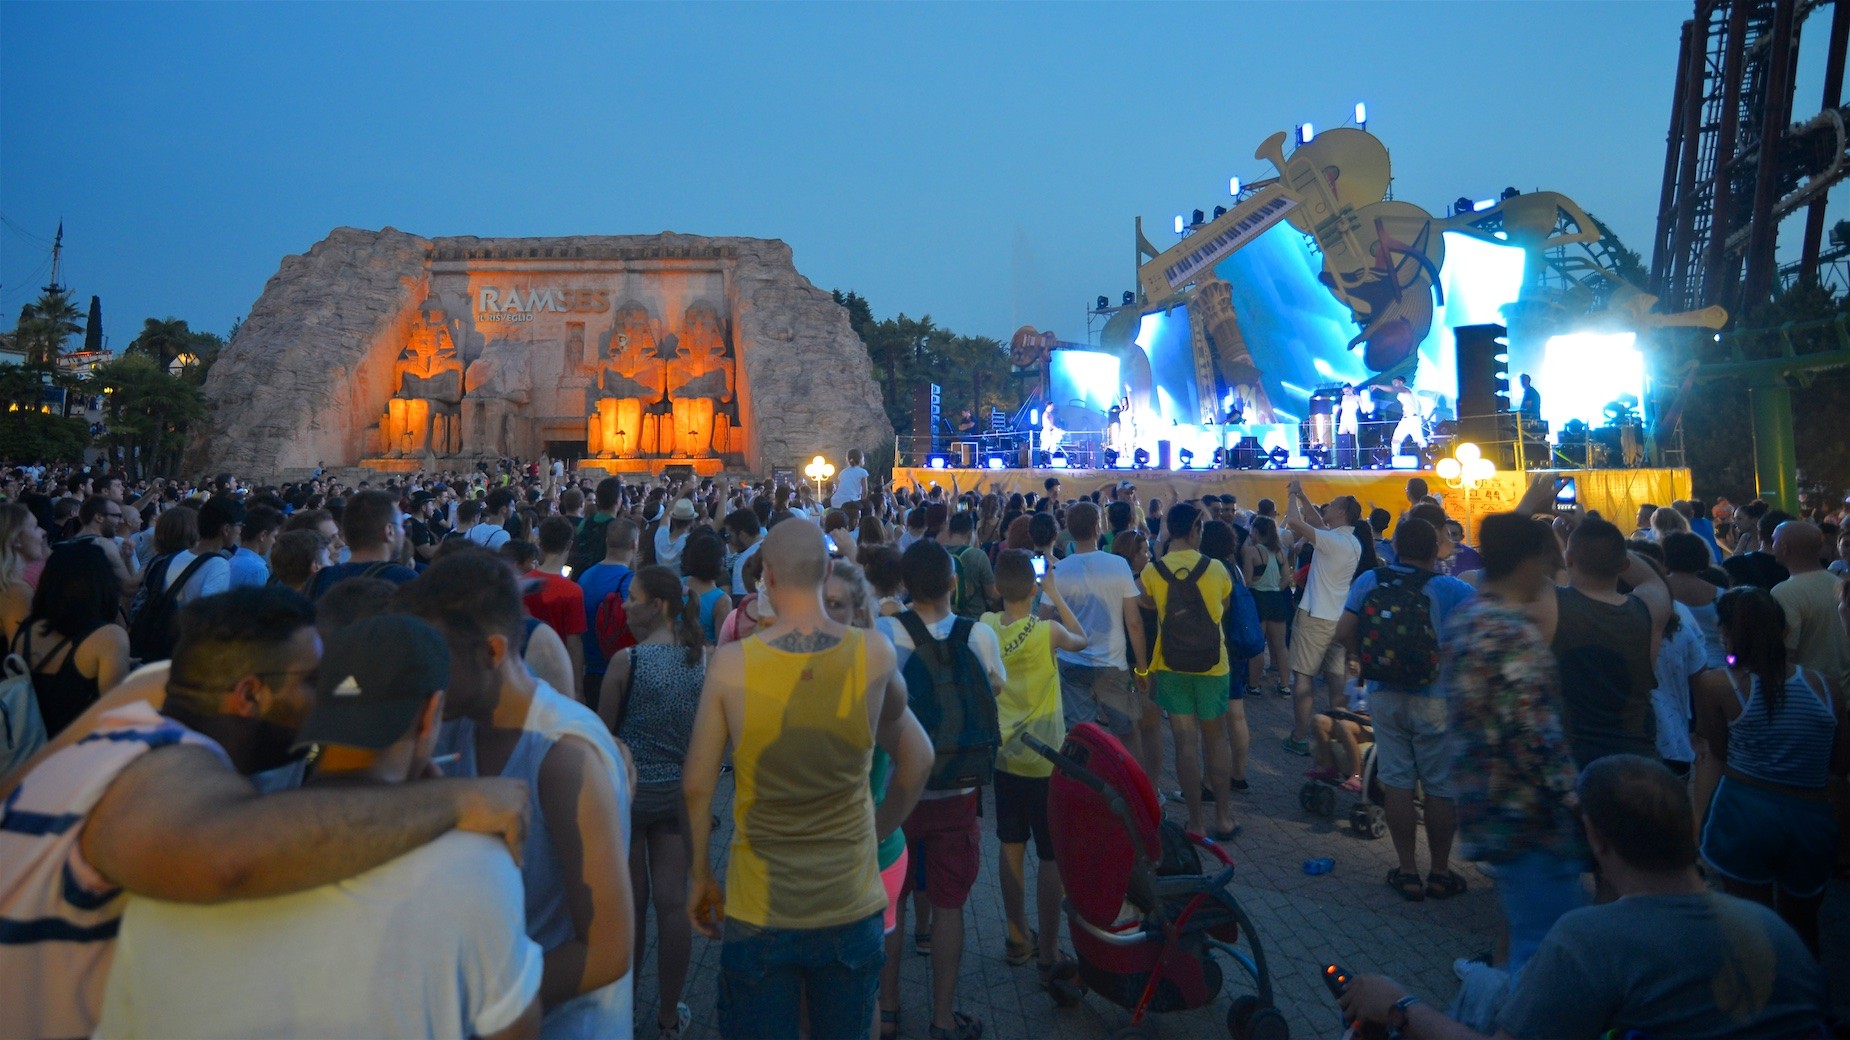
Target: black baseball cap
(375,676)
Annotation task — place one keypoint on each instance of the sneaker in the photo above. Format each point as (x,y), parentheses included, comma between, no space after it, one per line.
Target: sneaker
(1296,747)
(683,1015)
(1464,966)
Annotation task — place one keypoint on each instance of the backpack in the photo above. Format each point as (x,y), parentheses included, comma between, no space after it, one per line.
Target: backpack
(613,620)
(967,600)
(587,545)
(949,694)
(1396,641)
(153,624)
(1191,638)
(1245,635)
(22,728)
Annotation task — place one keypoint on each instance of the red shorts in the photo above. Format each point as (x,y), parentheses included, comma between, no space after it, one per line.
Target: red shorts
(942,838)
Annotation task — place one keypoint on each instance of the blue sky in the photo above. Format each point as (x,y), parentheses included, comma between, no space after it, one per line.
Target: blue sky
(981,163)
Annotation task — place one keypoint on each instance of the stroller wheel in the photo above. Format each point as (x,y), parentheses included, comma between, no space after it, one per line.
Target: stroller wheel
(1267,1023)
(1325,801)
(1368,821)
(1306,794)
(1239,1013)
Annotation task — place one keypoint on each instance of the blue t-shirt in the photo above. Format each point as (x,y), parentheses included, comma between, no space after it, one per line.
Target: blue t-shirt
(598,581)
(392,572)
(248,568)
(1444,592)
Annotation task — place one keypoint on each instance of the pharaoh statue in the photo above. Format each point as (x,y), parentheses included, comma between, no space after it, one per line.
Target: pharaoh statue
(700,383)
(499,391)
(422,414)
(627,383)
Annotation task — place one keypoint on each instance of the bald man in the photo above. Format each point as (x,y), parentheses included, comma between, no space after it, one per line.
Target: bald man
(801,917)
(1814,636)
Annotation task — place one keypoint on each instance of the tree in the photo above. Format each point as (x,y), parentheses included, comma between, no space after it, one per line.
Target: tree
(910,353)
(93,326)
(148,411)
(44,325)
(162,340)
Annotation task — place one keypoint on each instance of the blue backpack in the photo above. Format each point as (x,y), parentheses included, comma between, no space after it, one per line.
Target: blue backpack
(1245,635)
(949,693)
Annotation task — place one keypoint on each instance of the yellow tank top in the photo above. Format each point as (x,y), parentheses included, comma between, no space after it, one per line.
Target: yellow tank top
(1030,701)
(803,849)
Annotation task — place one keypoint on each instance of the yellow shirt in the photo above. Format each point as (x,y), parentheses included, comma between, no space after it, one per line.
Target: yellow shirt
(1030,701)
(803,849)
(1216,586)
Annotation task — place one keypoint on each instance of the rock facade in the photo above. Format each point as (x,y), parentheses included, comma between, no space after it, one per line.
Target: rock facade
(317,374)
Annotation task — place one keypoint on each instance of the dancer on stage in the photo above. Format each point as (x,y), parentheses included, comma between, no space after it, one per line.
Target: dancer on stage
(1349,412)
(1412,416)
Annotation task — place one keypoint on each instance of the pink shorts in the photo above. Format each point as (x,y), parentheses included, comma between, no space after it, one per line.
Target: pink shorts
(893,879)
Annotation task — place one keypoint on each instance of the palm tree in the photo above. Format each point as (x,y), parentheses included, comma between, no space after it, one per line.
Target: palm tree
(148,411)
(45,324)
(163,340)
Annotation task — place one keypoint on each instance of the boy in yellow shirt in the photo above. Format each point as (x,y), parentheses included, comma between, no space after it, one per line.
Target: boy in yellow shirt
(1030,703)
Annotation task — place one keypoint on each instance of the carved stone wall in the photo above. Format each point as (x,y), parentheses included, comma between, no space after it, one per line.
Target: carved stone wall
(641,350)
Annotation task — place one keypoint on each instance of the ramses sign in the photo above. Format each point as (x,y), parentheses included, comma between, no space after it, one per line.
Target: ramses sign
(491,300)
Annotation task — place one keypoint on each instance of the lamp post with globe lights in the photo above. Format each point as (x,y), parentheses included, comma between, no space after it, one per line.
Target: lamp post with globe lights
(1465,469)
(819,470)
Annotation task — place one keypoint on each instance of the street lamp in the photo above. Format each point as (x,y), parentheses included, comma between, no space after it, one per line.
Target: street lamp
(818,470)
(1465,469)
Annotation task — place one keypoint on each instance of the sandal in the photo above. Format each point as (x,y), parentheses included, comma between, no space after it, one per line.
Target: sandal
(1410,887)
(921,942)
(889,1024)
(963,1027)
(1020,953)
(1061,981)
(1444,886)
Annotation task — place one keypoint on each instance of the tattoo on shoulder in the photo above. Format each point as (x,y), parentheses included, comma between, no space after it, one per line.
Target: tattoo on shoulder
(805,642)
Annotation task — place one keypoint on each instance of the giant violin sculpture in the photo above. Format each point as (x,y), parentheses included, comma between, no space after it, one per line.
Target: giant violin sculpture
(1380,258)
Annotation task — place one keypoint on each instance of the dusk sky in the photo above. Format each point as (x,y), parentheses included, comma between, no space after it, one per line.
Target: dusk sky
(980,163)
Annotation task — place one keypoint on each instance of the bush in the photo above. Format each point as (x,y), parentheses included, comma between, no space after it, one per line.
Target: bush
(37,437)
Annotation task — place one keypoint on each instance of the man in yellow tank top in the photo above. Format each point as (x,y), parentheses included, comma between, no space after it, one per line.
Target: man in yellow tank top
(801,919)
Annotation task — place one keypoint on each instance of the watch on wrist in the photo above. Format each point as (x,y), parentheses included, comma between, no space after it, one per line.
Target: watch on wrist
(1398,1014)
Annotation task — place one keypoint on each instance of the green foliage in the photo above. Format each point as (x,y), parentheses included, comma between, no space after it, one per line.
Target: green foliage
(1718,424)
(148,411)
(44,325)
(907,353)
(93,325)
(30,435)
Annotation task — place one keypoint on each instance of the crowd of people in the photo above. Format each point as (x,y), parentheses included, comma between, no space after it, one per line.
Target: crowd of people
(480,720)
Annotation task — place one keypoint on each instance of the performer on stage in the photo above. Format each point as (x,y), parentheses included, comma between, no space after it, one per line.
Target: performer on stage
(1349,412)
(1412,416)
(1530,407)
(1051,434)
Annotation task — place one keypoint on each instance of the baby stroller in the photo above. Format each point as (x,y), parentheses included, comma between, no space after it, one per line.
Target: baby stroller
(1368,816)
(1146,921)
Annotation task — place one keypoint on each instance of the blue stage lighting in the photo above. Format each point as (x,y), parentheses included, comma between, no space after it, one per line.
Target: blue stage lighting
(1361,114)
(1058,461)
(938,461)
(1178,223)
(1233,186)
(997,462)
(1306,133)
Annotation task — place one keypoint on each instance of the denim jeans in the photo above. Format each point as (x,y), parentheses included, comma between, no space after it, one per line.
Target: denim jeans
(1535,890)
(765,972)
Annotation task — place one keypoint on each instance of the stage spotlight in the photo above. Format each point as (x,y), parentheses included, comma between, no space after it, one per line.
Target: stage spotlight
(1186,458)
(1058,461)
(1233,186)
(1510,193)
(1034,417)
(1111,458)
(1129,298)
(1361,114)
(1219,212)
(1140,458)
(1220,458)
(1104,302)
(1306,133)
(1319,457)
(1482,204)
(997,462)
(1200,218)
(1276,459)
(1178,223)
(938,461)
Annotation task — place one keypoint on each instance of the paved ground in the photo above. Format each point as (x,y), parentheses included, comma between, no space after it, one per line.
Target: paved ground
(1349,916)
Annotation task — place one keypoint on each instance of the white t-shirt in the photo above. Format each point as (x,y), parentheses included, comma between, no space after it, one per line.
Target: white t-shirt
(983,643)
(431,944)
(738,569)
(668,546)
(850,484)
(488,534)
(212,577)
(1678,659)
(1332,565)
(1095,585)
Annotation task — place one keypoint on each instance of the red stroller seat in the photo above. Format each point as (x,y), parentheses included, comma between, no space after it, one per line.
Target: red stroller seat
(1147,923)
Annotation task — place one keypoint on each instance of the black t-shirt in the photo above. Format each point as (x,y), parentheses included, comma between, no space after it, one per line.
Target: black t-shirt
(1756,568)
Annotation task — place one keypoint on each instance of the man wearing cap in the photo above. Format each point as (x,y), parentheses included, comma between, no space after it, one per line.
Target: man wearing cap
(504,722)
(155,802)
(445,922)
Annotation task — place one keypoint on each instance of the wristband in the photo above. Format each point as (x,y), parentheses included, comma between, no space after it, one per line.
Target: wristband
(1141,673)
(1404,1006)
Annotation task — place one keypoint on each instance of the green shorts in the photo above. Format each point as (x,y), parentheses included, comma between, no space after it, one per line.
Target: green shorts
(1189,693)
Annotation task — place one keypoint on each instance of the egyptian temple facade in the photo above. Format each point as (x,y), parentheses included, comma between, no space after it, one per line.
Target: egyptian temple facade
(628,353)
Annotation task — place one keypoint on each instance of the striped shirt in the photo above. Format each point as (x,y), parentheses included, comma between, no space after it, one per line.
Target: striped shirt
(1793,747)
(58,915)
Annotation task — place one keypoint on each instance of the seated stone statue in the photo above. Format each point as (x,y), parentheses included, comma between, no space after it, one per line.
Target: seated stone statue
(701,383)
(627,384)
(422,414)
(499,392)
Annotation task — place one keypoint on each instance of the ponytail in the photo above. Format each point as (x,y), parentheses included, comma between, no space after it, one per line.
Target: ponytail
(680,611)
(687,630)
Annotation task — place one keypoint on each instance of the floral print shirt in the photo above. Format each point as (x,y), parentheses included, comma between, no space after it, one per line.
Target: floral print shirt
(1514,774)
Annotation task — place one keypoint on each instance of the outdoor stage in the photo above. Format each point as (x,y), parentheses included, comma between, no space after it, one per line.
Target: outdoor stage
(1615,493)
